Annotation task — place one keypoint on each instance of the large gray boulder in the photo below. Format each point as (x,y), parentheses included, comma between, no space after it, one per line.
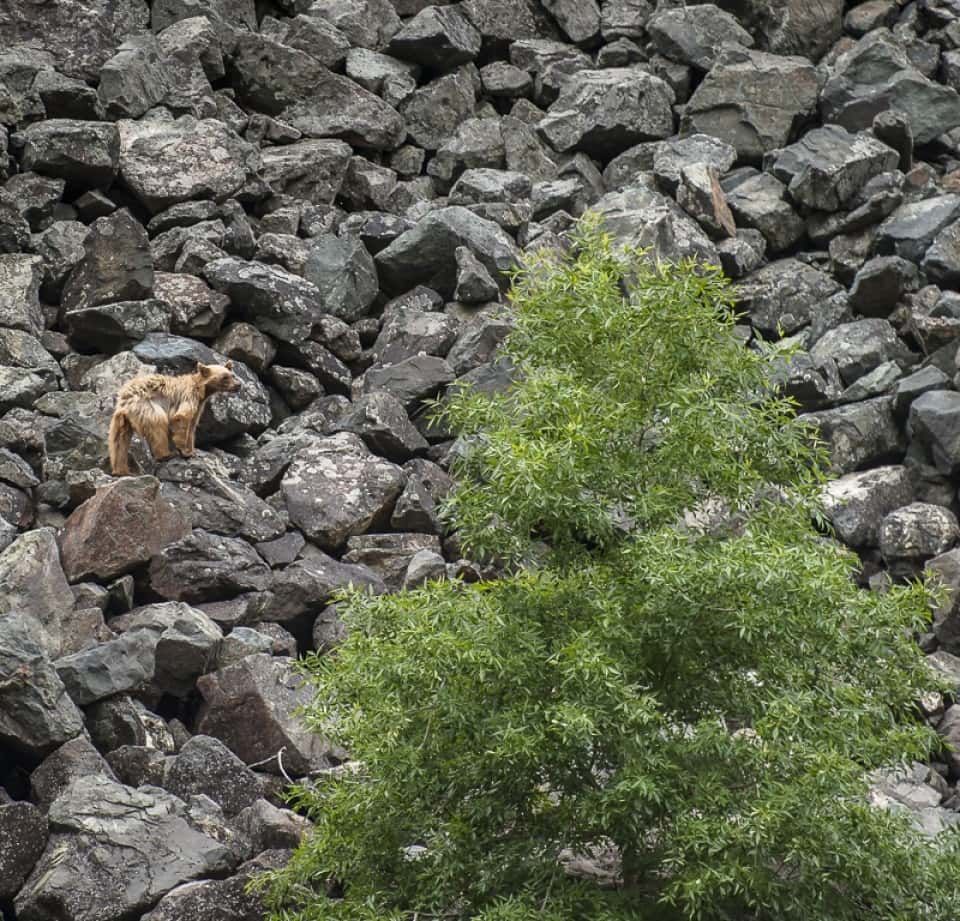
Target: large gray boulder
(911,535)
(440,37)
(164,161)
(267,691)
(913,227)
(859,435)
(119,665)
(310,170)
(695,34)
(84,152)
(344,273)
(753,100)
(205,765)
(934,421)
(877,74)
(36,713)
(784,296)
(115,851)
(426,254)
(23,836)
(857,503)
(859,347)
(827,167)
(603,112)
(336,488)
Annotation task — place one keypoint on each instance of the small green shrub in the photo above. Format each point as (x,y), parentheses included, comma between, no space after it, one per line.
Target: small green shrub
(703,701)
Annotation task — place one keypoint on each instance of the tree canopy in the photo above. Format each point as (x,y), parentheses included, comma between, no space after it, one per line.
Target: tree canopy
(669,704)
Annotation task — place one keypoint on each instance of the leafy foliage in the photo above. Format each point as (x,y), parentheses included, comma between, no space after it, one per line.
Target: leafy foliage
(687,678)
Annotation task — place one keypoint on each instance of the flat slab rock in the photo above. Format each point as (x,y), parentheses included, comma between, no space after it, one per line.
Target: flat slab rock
(116,851)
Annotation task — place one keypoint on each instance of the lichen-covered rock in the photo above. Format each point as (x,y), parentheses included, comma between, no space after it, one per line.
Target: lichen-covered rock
(205,765)
(934,421)
(23,836)
(695,34)
(857,503)
(784,296)
(911,535)
(336,488)
(73,759)
(859,435)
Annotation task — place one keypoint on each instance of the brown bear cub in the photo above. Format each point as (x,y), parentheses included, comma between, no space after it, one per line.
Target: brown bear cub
(156,406)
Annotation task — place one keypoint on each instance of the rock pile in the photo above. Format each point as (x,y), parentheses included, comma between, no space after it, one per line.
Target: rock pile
(328,192)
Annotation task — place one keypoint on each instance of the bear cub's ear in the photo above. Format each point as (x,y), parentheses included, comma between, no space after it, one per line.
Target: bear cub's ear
(202,369)
(229,364)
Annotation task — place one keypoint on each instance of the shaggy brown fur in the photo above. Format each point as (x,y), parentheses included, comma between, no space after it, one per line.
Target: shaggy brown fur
(157,407)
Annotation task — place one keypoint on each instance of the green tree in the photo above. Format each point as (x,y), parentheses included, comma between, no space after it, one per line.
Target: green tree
(683,678)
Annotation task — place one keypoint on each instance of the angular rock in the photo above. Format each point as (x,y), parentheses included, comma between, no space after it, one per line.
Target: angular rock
(117,265)
(73,759)
(23,836)
(433,112)
(205,765)
(759,203)
(310,170)
(266,826)
(36,713)
(700,195)
(879,285)
(207,567)
(135,79)
(753,101)
(309,584)
(426,254)
(243,342)
(791,26)
(33,585)
(934,421)
(195,310)
(122,721)
(425,566)
(344,273)
(579,19)
(381,421)
(410,381)
(859,347)
(914,534)
(335,488)
(857,503)
(313,35)
(389,555)
(79,34)
(267,691)
(164,162)
(122,527)
(941,263)
(625,18)
(186,643)
(695,34)
(116,326)
(110,668)
(603,112)
(440,37)
(945,572)
(860,435)
(877,74)
(828,167)
(115,851)
(408,332)
(669,158)
(474,284)
(283,304)
(784,296)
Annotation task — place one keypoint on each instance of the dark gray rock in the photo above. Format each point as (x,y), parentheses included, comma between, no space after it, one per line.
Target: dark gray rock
(311,34)
(389,555)
(309,584)
(625,18)
(914,385)
(914,534)
(163,162)
(310,170)
(219,12)
(268,691)
(298,388)
(945,572)
(791,26)
(667,160)
(425,566)
(186,642)
(367,23)
(33,585)
(407,332)
(73,759)
(117,265)
(23,836)
(880,284)
(859,347)
(268,827)
(877,74)
(135,79)
(759,203)
(226,900)
(857,503)
(753,101)
(695,34)
(36,713)
(344,274)
(110,668)
(934,421)
(910,230)
(426,254)
(136,765)
(283,304)
(123,720)
(501,22)
(410,381)
(123,526)
(860,435)
(240,643)
(700,195)
(433,112)
(79,34)
(827,168)
(116,326)
(579,19)
(941,263)
(205,497)
(784,296)
(381,421)
(207,567)
(205,765)
(61,248)
(500,80)
(603,112)
(115,851)
(36,197)
(474,284)
(440,37)
(195,310)
(336,488)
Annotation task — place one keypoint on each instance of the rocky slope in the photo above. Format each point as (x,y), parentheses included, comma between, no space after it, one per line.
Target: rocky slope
(328,192)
